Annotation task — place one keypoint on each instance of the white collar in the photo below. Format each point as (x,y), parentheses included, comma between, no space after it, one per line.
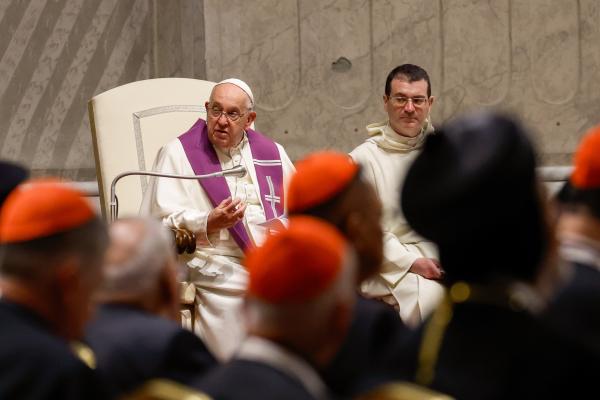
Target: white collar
(255,348)
(233,149)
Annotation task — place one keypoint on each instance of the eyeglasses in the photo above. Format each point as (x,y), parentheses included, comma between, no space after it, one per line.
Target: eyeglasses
(401,101)
(216,113)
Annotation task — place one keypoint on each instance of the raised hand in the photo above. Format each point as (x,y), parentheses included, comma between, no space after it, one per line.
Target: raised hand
(225,215)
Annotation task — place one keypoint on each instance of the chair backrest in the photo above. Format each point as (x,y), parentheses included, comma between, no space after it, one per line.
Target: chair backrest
(130,123)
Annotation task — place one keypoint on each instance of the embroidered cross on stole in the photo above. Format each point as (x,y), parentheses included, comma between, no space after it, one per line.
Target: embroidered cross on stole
(204,160)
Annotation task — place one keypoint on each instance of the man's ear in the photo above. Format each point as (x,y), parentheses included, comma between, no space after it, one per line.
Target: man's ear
(67,277)
(250,120)
(431,100)
(66,289)
(343,313)
(338,326)
(353,225)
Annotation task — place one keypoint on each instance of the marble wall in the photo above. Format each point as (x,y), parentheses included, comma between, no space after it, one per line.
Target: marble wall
(57,54)
(317,67)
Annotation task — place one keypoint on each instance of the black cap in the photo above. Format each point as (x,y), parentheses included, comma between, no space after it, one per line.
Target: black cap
(473,192)
(10,176)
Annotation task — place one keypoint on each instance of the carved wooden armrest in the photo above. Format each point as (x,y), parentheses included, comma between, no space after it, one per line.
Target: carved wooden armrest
(185,241)
(187,300)
(187,293)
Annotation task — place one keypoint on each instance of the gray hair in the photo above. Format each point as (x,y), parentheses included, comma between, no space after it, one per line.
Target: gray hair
(139,272)
(35,260)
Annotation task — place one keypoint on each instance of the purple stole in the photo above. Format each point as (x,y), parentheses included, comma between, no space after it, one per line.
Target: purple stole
(203,158)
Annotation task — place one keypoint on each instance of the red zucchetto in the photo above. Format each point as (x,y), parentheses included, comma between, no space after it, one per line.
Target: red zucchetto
(586,174)
(297,264)
(318,178)
(42,208)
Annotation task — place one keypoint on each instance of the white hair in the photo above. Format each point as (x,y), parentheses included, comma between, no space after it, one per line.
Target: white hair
(139,272)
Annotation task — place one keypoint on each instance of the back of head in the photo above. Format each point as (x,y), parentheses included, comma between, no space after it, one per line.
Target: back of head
(473,192)
(328,185)
(582,191)
(52,244)
(301,288)
(43,222)
(140,256)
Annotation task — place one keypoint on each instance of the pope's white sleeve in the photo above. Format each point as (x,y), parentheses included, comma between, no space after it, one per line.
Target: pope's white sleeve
(172,199)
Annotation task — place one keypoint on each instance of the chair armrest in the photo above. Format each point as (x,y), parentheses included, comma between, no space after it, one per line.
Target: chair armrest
(185,240)
(187,293)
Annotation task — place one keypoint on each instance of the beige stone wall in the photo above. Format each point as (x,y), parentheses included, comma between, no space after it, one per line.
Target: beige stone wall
(537,58)
(57,54)
(317,67)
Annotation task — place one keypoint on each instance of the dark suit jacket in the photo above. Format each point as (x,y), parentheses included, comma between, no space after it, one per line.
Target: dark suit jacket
(35,364)
(366,357)
(250,380)
(496,352)
(576,309)
(132,346)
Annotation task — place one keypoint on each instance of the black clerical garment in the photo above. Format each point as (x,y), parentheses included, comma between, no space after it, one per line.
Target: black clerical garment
(133,346)
(496,351)
(36,364)
(576,309)
(252,380)
(264,370)
(366,357)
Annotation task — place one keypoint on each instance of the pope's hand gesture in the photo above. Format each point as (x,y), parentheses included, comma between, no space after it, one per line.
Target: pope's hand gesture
(225,215)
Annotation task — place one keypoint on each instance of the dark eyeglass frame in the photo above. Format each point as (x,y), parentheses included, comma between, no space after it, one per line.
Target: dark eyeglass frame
(402,101)
(216,112)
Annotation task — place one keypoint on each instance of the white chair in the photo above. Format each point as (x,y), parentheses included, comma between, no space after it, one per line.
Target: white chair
(129,124)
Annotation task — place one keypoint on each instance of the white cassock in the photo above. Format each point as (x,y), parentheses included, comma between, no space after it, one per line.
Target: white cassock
(215,268)
(386,157)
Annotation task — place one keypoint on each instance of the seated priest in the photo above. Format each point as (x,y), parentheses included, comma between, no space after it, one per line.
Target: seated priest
(51,249)
(298,308)
(134,333)
(224,213)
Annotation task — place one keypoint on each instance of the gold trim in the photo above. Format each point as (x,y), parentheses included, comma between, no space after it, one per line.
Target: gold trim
(432,342)
(403,391)
(460,292)
(506,295)
(164,389)
(84,353)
